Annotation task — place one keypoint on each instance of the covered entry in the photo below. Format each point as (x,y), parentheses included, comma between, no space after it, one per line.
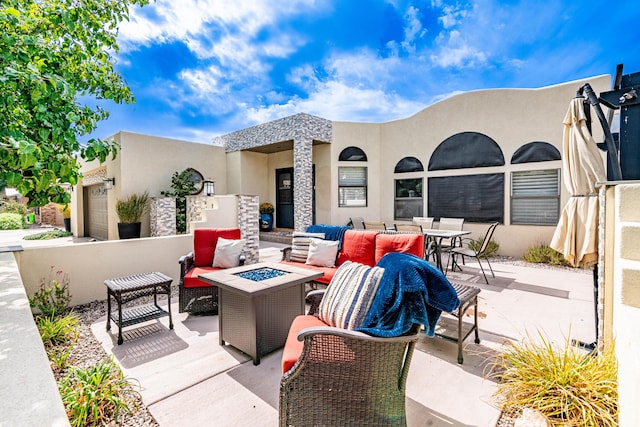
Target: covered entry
(96,211)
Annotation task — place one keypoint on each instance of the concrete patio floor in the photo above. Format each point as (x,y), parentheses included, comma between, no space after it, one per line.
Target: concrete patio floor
(187,378)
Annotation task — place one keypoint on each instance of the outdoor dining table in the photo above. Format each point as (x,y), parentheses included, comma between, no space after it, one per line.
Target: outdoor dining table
(436,235)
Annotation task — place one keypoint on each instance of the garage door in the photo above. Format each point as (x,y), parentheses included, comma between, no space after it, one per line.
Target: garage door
(96,212)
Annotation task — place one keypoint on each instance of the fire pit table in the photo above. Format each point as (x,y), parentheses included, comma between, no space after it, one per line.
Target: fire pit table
(257,303)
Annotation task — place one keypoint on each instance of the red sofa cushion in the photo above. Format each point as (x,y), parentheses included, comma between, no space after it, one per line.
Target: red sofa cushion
(401,242)
(358,246)
(328,271)
(191,280)
(205,241)
(293,347)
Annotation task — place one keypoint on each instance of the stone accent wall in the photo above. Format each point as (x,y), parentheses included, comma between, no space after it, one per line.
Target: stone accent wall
(163,216)
(195,207)
(303,178)
(248,220)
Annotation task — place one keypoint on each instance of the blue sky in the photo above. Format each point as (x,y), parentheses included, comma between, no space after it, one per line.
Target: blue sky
(203,68)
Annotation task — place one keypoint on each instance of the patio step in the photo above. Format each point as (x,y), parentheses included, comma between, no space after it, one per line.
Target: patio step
(281,235)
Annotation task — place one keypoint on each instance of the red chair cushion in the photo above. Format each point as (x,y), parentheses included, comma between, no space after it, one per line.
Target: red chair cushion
(358,246)
(407,243)
(205,241)
(191,278)
(293,348)
(328,271)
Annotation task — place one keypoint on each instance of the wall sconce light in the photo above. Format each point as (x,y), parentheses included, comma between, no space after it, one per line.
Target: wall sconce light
(208,187)
(109,183)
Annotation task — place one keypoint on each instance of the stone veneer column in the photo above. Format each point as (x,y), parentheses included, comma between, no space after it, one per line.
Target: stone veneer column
(303,179)
(195,207)
(163,216)
(248,220)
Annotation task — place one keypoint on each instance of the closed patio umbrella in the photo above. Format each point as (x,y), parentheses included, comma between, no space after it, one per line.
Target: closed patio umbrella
(576,235)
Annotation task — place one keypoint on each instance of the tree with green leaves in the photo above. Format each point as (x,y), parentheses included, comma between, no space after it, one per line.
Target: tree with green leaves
(52,52)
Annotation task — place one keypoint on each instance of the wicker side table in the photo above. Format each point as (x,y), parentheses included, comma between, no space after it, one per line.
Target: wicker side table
(129,288)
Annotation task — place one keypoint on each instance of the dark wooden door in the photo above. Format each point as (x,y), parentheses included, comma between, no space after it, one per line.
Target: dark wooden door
(284,198)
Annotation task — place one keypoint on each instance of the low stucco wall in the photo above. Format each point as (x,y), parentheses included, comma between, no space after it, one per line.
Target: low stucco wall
(29,393)
(90,264)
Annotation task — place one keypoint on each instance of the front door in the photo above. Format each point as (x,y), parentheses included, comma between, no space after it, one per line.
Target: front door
(284,198)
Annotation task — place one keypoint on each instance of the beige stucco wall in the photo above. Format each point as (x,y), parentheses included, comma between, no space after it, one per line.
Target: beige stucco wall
(622,293)
(146,163)
(512,117)
(90,264)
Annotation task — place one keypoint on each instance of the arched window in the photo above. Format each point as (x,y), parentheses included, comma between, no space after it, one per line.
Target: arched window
(408,201)
(536,151)
(474,197)
(352,154)
(352,180)
(408,164)
(466,150)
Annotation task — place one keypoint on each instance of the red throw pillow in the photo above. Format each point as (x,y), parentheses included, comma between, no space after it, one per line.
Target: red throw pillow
(400,242)
(358,246)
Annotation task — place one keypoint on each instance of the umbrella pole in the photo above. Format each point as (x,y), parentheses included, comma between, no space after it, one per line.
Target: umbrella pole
(592,347)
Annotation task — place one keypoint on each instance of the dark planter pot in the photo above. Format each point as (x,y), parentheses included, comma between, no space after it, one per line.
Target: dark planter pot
(129,230)
(266,222)
(67,224)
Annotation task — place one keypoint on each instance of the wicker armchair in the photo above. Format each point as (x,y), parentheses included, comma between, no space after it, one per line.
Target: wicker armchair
(195,296)
(347,378)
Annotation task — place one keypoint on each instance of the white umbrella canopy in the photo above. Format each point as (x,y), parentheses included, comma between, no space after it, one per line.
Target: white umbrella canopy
(576,235)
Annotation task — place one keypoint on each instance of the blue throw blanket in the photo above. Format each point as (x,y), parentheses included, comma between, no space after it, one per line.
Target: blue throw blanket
(412,291)
(331,232)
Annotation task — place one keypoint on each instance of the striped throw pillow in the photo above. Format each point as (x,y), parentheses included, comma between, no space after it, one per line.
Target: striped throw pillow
(349,295)
(300,245)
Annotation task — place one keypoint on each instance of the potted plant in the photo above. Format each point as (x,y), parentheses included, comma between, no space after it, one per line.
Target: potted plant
(266,216)
(130,211)
(65,210)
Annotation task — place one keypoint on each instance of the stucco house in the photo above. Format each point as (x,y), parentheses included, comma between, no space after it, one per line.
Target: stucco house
(489,155)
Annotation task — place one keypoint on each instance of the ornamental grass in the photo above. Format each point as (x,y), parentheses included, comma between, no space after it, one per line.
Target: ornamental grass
(567,385)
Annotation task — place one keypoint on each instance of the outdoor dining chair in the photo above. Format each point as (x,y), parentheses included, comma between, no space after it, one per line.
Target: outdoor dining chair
(408,227)
(357,222)
(473,253)
(447,244)
(425,222)
(374,225)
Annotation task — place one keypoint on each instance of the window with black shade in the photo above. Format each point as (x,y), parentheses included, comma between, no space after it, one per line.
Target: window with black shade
(352,186)
(476,198)
(408,201)
(352,154)
(535,197)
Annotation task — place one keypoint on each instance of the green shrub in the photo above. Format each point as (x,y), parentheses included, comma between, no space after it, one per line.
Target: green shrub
(569,386)
(96,394)
(53,297)
(12,221)
(14,207)
(58,356)
(57,330)
(543,254)
(48,235)
(492,248)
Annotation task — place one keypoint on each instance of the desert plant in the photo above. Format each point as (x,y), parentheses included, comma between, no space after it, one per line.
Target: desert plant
(567,385)
(96,394)
(56,330)
(266,208)
(131,209)
(492,248)
(543,254)
(182,186)
(12,221)
(52,298)
(14,207)
(48,235)
(58,356)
